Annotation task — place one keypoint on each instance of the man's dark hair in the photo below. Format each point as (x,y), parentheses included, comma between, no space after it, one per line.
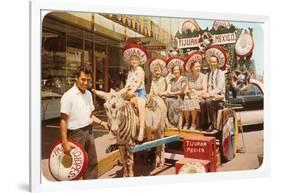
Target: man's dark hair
(83,68)
(214,57)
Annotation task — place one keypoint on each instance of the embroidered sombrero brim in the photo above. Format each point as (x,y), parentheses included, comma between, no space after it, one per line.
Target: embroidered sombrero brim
(158,61)
(219,53)
(172,61)
(192,57)
(136,50)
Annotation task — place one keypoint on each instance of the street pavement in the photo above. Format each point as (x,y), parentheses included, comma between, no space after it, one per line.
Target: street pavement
(245,159)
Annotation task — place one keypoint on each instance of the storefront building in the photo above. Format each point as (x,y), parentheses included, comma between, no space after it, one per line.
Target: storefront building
(70,39)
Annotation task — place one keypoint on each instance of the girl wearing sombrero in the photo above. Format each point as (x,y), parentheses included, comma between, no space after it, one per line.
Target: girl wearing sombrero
(136,55)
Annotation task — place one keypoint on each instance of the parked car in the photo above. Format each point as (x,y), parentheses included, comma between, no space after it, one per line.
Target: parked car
(251,102)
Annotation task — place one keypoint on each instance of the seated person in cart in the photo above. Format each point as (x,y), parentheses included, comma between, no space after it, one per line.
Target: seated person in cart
(159,83)
(175,91)
(159,86)
(196,88)
(216,92)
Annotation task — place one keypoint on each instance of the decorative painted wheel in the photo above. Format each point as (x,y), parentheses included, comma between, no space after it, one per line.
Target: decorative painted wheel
(192,167)
(68,167)
(244,45)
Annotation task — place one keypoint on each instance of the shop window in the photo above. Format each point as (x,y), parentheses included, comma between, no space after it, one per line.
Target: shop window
(53,62)
(63,51)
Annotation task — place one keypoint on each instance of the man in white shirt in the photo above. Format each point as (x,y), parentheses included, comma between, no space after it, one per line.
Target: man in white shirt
(216,92)
(77,118)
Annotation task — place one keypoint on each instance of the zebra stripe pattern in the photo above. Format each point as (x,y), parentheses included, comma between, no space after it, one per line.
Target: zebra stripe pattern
(128,125)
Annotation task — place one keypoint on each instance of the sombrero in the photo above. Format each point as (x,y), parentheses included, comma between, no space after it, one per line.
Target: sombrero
(219,53)
(174,60)
(194,56)
(221,23)
(160,62)
(137,50)
(64,167)
(244,45)
(191,25)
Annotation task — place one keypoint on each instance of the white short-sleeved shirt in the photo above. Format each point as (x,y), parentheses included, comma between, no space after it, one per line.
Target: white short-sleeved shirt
(78,106)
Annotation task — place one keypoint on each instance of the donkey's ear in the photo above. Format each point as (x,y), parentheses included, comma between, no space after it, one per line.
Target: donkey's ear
(112,90)
(123,93)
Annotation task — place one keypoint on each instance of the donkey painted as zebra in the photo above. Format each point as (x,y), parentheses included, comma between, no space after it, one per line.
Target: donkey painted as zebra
(124,124)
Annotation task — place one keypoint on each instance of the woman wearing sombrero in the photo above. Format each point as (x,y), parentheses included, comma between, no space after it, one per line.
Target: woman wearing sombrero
(159,83)
(195,90)
(175,90)
(135,55)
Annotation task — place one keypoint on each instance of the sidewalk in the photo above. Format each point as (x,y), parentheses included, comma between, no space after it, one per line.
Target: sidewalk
(249,159)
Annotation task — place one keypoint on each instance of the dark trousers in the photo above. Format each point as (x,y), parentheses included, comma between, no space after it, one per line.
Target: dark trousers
(86,138)
(209,109)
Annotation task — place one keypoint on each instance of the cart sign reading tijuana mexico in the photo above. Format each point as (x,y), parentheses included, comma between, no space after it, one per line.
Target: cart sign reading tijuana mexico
(192,147)
(218,39)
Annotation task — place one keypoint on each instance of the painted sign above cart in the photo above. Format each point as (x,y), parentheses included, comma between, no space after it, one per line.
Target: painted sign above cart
(218,39)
